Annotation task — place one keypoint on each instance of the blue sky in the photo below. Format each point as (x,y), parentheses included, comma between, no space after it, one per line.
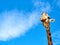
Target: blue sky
(20,22)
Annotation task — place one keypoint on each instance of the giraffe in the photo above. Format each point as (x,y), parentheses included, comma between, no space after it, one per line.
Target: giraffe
(46,23)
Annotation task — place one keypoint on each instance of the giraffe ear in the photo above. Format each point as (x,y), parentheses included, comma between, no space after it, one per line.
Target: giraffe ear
(52,20)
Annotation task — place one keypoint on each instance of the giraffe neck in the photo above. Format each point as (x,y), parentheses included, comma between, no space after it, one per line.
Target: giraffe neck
(49,36)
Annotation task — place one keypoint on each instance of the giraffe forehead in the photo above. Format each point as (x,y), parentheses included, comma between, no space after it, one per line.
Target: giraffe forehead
(44,16)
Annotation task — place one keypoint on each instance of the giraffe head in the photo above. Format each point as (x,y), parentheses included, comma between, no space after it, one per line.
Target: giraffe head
(44,17)
(46,20)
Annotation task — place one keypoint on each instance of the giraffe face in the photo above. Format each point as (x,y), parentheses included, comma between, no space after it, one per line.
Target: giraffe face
(44,17)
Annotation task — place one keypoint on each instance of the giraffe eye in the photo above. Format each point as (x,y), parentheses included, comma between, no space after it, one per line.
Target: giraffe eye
(48,17)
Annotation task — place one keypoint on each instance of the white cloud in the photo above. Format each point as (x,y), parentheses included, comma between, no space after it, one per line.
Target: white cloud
(15,23)
(42,6)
